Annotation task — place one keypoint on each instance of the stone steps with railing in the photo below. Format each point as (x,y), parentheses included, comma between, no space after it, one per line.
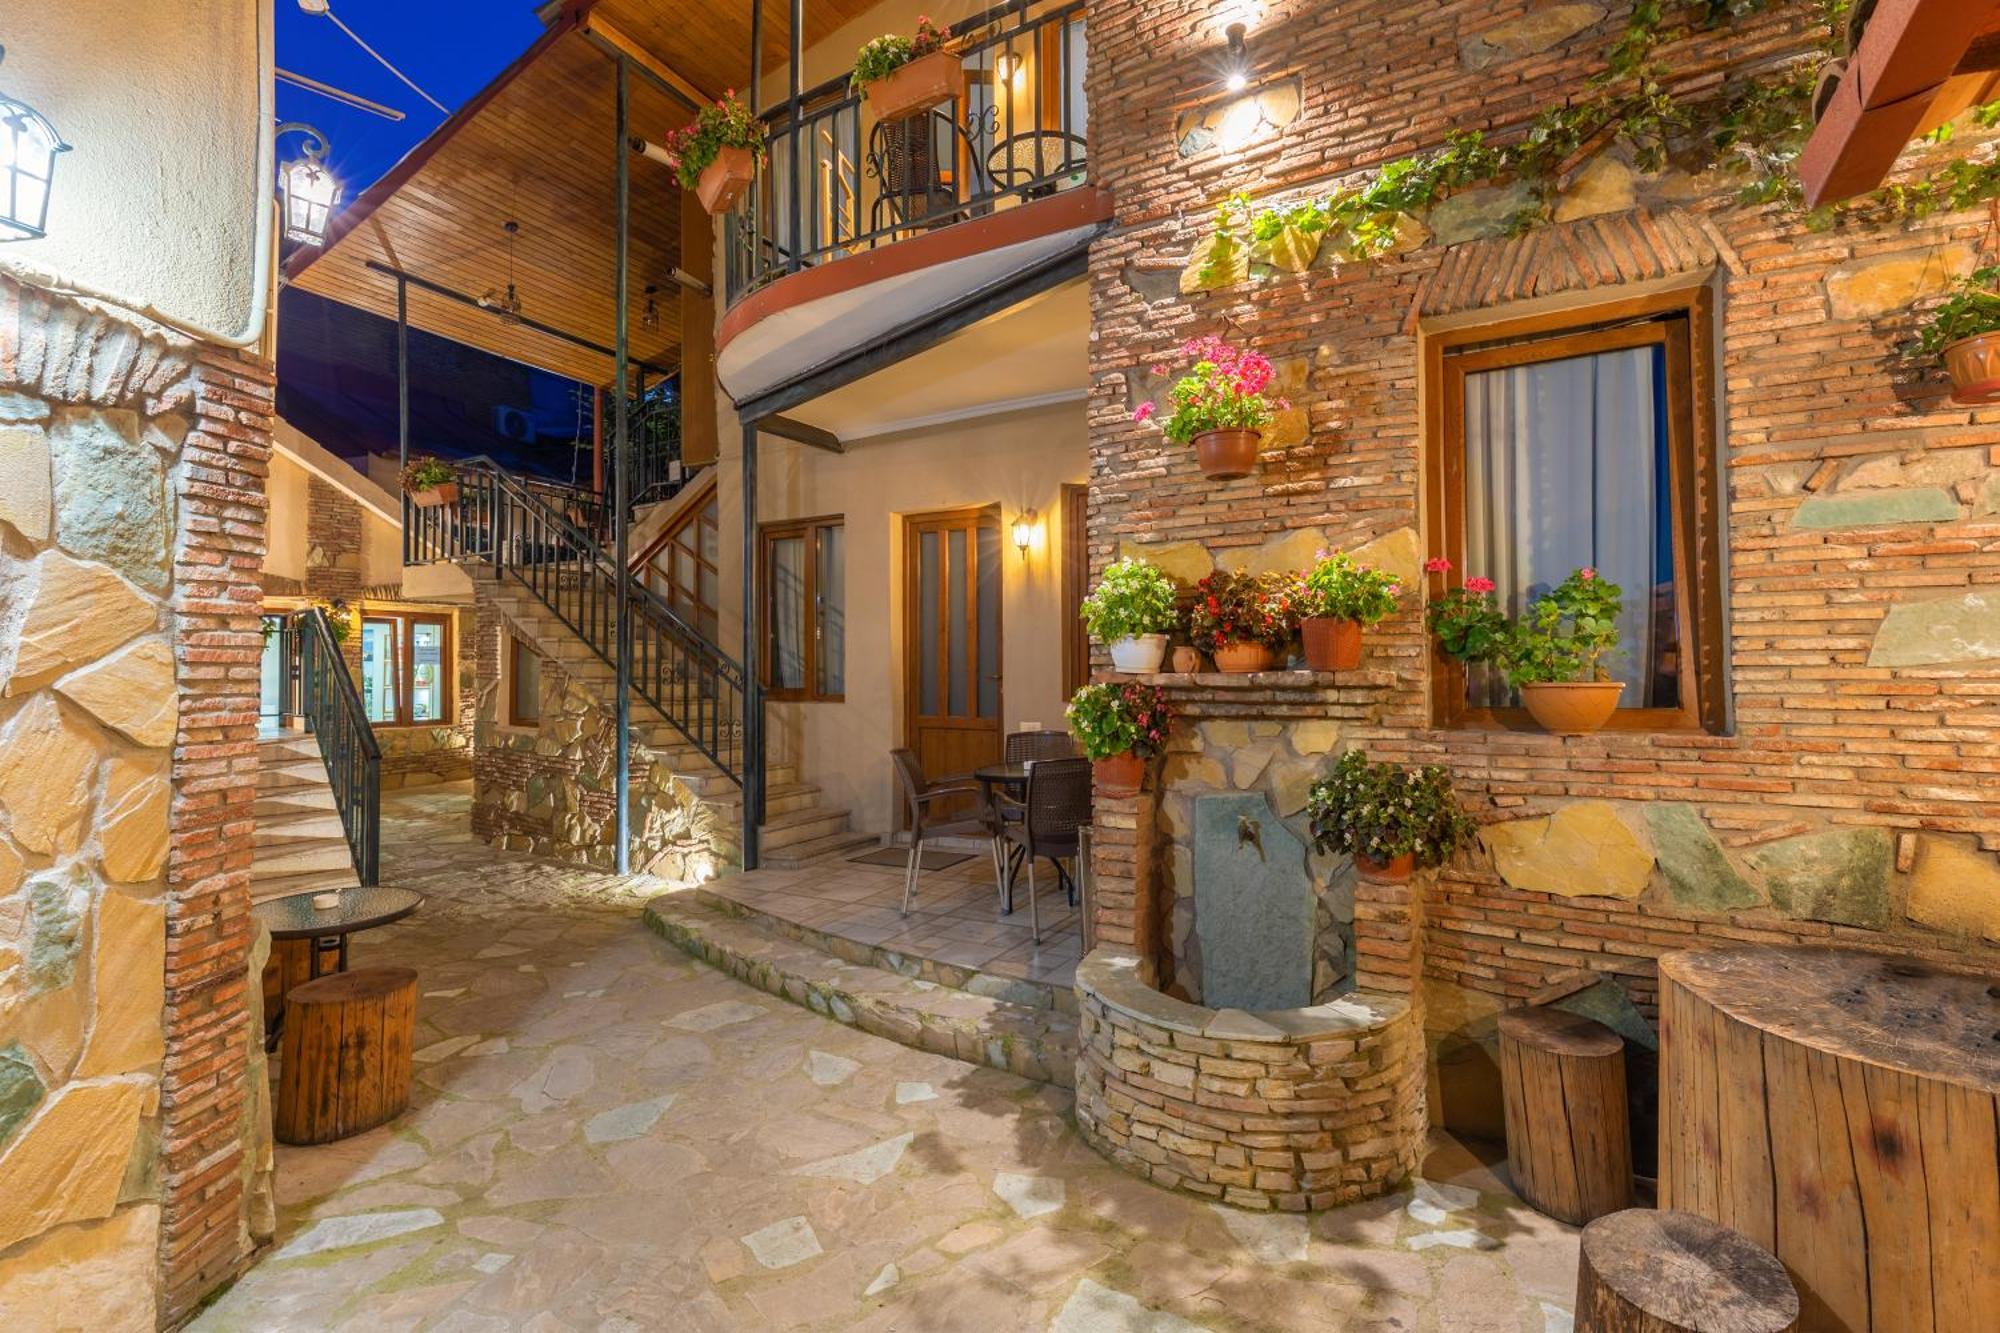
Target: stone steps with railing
(300,845)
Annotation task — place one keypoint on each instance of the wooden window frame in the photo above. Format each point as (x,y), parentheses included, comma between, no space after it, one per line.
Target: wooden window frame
(516,649)
(406,659)
(807,530)
(689,608)
(1683,322)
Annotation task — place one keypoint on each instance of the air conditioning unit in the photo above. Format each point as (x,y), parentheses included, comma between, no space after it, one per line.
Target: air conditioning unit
(514,424)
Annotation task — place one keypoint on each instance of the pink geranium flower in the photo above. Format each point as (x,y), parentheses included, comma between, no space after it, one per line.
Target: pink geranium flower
(1145,412)
(1437,565)
(1480,584)
(1586,573)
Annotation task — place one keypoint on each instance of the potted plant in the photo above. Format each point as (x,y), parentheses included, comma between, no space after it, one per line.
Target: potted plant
(717,152)
(905,75)
(1390,819)
(1131,609)
(1120,725)
(1554,655)
(1965,332)
(1220,407)
(1340,598)
(339,618)
(1245,622)
(430,482)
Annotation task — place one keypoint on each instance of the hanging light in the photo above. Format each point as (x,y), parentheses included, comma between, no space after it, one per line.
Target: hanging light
(28,148)
(649,318)
(508,307)
(1237,61)
(310,189)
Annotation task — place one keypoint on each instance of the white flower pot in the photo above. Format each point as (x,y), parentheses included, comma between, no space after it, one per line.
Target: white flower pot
(1140,655)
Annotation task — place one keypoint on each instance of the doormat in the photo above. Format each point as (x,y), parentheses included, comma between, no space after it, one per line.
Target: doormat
(900,857)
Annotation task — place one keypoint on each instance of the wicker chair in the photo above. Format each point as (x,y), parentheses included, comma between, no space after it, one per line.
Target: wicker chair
(1058,805)
(921,792)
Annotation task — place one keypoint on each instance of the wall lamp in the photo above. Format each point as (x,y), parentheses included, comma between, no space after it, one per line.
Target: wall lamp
(28,149)
(1238,60)
(1026,527)
(310,189)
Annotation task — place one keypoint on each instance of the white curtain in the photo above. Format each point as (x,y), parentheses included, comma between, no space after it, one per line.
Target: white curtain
(1562,463)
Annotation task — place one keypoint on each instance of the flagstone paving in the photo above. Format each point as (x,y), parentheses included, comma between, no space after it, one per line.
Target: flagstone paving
(608,1136)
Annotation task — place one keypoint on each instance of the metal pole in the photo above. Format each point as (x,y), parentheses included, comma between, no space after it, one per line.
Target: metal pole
(620,467)
(402,373)
(753,686)
(795,237)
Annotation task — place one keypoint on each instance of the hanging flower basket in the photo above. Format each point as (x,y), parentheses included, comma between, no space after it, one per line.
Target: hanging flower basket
(915,87)
(436,497)
(724,181)
(1974,366)
(1225,455)
(1220,407)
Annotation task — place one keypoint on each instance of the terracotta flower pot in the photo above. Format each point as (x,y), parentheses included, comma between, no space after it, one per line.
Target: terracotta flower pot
(914,86)
(445,493)
(1240,656)
(1225,455)
(1572,708)
(1120,775)
(1139,655)
(724,180)
(1393,871)
(1331,645)
(1974,366)
(1187,660)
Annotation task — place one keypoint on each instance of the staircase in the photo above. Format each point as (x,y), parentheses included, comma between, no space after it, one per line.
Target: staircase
(300,844)
(797,828)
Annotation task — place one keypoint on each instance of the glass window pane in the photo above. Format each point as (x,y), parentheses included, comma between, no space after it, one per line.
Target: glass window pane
(380,662)
(830,582)
(427,672)
(957,575)
(527,682)
(271,672)
(989,620)
(1566,466)
(927,624)
(788,613)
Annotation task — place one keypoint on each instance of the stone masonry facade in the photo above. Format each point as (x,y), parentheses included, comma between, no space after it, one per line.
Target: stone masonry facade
(1850,800)
(134,1151)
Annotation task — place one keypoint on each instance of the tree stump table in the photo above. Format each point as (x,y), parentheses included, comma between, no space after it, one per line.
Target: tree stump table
(1838,1108)
(1642,1271)
(346,1061)
(1569,1144)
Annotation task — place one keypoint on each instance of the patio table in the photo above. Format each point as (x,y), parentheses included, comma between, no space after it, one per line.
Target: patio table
(293,917)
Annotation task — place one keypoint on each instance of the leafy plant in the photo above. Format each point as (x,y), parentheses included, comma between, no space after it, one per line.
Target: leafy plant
(1383,811)
(724,123)
(1245,608)
(1566,633)
(1226,390)
(1133,598)
(1342,589)
(882,56)
(339,618)
(1114,719)
(1468,625)
(1972,308)
(427,474)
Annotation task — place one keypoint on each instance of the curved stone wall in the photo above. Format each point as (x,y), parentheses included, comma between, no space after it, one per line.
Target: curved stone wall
(1293,1109)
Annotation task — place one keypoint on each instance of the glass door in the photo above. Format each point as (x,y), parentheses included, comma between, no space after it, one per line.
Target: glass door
(952,677)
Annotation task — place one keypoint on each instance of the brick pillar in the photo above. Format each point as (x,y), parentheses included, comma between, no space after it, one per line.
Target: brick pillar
(334,556)
(1123,876)
(218,551)
(1389,936)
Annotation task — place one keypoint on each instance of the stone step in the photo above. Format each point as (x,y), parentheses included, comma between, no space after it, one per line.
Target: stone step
(781,830)
(290,774)
(283,886)
(300,857)
(798,854)
(1014,990)
(294,801)
(286,828)
(288,747)
(1035,1043)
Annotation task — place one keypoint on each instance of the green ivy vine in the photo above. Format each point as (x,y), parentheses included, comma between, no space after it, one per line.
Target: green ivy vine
(1754,129)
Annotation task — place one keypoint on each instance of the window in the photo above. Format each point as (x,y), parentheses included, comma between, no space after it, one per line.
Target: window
(1589,444)
(406,668)
(524,684)
(681,567)
(804,603)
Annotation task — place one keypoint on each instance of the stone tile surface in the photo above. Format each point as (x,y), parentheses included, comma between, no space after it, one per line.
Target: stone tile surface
(603,1166)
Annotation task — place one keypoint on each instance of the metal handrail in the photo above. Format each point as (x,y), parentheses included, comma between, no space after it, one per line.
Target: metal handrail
(823,153)
(501,521)
(321,690)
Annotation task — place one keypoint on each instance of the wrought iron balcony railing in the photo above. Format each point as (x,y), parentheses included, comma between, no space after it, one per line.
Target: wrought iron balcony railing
(1016,131)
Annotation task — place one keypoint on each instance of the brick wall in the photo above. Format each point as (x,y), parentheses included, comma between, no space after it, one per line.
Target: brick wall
(1845,715)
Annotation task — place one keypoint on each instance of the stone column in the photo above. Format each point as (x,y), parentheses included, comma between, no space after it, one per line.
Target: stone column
(1123,875)
(1389,935)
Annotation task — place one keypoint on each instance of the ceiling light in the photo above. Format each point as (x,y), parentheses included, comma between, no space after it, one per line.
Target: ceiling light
(1237,63)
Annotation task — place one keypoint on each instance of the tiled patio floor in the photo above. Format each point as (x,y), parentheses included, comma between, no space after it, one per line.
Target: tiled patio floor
(955,918)
(607,1137)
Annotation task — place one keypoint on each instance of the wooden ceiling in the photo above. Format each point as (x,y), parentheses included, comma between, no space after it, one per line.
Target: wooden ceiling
(708,41)
(536,147)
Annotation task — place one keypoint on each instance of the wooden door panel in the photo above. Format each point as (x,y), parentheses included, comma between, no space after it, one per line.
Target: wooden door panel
(951,613)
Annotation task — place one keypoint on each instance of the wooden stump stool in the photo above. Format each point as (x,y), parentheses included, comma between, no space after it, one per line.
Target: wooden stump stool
(346,1061)
(1569,1142)
(1642,1271)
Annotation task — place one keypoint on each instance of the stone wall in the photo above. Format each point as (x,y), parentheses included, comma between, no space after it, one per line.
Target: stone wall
(1290,1109)
(550,789)
(1851,799)
(131,528)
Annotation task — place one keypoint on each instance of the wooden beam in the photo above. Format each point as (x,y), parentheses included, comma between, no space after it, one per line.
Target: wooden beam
(789,428)
(595,25)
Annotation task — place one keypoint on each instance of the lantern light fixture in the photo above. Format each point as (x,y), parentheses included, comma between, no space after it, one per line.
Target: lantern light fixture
(1238,60)
(29,146)
(311,190)
(1025,528)
(649,318)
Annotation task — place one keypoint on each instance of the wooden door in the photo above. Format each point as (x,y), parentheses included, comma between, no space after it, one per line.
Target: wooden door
(951,638)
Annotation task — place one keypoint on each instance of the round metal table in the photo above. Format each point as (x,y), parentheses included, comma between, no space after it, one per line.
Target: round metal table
(295,918)
(1035,155)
